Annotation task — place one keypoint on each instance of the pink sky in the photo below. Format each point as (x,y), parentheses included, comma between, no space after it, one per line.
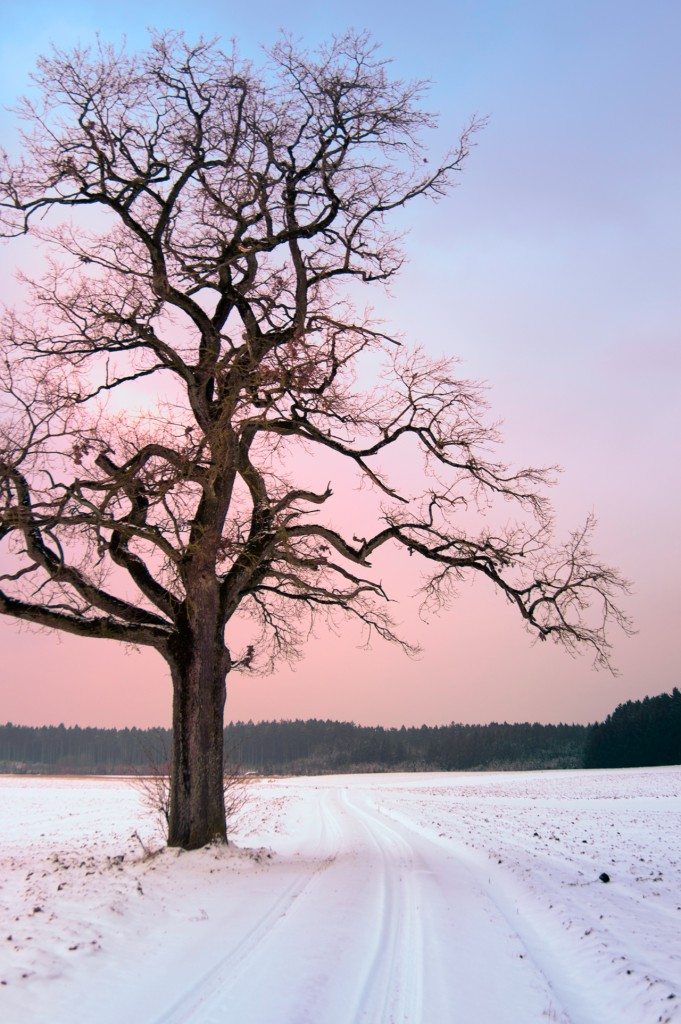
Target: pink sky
(553,271)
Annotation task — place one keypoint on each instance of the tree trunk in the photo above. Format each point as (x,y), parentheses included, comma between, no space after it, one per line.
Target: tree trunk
(199,670)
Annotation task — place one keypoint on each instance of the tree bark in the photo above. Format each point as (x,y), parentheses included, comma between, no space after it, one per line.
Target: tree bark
(199,669)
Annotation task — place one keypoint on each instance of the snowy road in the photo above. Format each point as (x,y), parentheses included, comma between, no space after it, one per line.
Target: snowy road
(380,900)
(386,917)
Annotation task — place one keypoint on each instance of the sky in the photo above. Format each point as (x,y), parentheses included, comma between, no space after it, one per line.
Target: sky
(552,271)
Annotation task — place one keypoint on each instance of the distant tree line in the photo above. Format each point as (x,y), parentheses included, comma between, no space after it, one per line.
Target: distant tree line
(646,732)
(301,747)
(638,733)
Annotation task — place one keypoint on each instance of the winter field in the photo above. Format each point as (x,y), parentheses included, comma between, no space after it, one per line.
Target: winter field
(387,898)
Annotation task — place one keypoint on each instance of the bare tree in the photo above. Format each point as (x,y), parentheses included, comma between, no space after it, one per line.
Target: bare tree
(198,219)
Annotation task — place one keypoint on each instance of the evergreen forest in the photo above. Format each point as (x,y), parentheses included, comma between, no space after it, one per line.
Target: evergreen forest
(638,733)
(646,732)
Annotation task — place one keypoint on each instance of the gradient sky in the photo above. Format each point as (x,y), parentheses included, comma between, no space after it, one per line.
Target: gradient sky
(553,271)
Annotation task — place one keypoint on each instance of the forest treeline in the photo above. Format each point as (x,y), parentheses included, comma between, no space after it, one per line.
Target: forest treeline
(301,747)
(646,732)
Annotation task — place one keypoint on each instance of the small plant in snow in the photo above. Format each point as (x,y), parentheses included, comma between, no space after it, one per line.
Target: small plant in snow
(153,785)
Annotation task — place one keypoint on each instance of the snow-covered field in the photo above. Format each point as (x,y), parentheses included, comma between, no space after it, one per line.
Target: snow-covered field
(387,898)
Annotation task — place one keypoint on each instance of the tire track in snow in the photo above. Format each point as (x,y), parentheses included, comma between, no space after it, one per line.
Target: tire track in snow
(421,931)
(195,1004)
(383,982)
(548,953)
(441,939)
(392,992)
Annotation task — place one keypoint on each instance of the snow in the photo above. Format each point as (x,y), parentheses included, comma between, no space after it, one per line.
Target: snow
(364,899)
